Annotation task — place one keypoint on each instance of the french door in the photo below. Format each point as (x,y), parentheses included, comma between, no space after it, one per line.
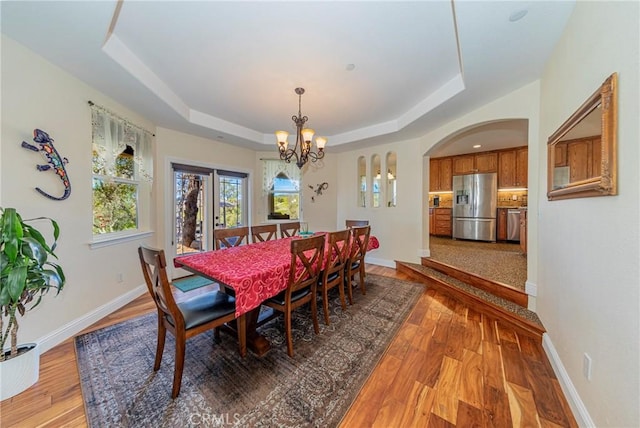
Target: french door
(204,199)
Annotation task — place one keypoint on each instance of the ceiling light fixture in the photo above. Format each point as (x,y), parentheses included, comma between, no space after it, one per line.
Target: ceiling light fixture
(477,146)
(304,137)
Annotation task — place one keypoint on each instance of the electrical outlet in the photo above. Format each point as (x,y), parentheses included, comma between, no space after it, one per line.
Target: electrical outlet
(119,277)
(586,366)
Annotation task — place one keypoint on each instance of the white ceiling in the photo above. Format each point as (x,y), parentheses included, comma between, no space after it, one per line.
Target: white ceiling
(228,70)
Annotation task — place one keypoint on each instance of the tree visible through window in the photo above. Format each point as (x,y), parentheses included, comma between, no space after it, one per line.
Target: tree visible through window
(284,198)
(121,162)
(115,197)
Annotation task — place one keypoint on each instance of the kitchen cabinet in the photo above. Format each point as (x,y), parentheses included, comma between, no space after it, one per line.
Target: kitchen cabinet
(513,168)
(432,222)
(470,164)
(523,231)
(440,175)
(584,157)
(560,155)
(486,162)
(440,221)
(464,164)
(501,234)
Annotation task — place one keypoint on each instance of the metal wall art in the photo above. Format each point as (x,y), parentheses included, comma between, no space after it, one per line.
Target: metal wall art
(54,161)
(318,190)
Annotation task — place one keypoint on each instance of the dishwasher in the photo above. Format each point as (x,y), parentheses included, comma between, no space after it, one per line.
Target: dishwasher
(513,225)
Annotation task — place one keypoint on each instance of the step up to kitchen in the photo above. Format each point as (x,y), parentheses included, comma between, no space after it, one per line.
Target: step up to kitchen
(517,316)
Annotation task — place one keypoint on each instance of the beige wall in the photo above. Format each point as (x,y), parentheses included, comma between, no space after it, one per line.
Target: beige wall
(36,94)
(589,248)
(397,228)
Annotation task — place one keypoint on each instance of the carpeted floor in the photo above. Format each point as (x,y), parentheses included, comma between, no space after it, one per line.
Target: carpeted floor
(315,388)
(502,262)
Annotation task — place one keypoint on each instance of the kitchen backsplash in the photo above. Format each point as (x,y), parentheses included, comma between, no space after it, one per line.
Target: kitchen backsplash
(505,199)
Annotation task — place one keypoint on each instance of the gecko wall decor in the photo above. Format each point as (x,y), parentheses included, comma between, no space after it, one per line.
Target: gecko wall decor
(318,189)
(54,162)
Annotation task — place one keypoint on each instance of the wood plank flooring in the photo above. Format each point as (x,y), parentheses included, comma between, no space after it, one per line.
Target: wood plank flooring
(449,365)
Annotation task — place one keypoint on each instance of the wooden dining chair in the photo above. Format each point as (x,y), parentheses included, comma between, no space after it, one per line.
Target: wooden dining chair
(336,257)
(185,319)
(232,237)
(289,229)
(265,232)
(355,264)
(356,223)
(307,256)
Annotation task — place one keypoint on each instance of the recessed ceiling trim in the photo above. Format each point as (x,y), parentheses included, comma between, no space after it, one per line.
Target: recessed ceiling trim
(441,95)
(122,55)
(199,118)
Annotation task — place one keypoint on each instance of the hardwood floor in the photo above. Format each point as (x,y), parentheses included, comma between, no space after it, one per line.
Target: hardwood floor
(447,366)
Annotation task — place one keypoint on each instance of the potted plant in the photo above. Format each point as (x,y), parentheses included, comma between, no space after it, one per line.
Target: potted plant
(26,274)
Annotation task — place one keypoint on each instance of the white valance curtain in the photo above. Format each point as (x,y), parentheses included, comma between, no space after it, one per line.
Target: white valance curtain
(111,136)
(274,167)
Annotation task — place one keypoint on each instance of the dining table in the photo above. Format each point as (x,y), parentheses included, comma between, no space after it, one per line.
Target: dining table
(253,272)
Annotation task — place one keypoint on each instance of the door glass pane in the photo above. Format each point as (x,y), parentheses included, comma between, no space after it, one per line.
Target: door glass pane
(233,204)
(189,229)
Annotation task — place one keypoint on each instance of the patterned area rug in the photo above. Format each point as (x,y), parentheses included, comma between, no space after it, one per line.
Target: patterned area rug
(220,389)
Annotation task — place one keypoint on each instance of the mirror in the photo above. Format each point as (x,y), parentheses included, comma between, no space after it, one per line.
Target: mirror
(582,152)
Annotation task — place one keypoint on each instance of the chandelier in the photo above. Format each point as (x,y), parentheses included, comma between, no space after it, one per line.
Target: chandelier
(304,137)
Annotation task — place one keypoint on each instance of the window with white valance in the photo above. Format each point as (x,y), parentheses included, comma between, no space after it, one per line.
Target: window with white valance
(281,186)
(122,163)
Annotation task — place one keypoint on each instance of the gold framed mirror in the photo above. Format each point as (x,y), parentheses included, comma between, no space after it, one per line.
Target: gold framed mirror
(582,154)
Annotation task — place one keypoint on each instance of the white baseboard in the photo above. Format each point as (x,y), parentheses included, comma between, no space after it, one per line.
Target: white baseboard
(575,402)
(76,326)
(380,262)
(531,288)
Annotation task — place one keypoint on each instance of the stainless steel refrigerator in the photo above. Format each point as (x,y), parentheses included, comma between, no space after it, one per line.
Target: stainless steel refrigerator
(474,206)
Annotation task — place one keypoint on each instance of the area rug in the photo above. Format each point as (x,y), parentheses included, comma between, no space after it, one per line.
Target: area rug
(220,389)
(190,283)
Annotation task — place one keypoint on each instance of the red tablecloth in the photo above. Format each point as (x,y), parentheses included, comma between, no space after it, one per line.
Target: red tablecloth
(256,271)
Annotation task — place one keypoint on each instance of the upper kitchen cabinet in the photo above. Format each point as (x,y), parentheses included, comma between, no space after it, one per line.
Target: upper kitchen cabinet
(486,162)
(513,168)
(470,164)
(463,164)
(440,176)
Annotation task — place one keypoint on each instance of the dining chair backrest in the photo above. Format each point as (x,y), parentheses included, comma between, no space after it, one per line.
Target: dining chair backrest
(264,232)
(359,243)
(289,229)
(356,223)
(233,237)
(338,252)
(188,318)
(154,270)
(307,256)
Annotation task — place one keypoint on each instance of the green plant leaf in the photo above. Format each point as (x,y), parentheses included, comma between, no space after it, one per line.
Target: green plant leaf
(16,282)
(33,248)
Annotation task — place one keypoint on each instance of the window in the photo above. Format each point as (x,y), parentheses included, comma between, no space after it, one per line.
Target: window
(121,167)
(281,185)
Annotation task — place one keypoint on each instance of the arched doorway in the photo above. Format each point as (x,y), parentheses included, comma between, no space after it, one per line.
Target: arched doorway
(494,148)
